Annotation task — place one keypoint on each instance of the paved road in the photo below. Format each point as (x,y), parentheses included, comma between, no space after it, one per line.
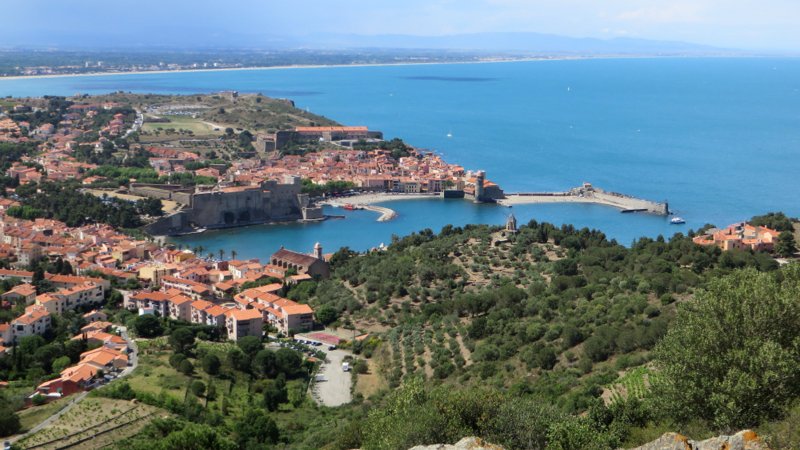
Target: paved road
(137,124)
(133,358)
(133,352)
(335,390)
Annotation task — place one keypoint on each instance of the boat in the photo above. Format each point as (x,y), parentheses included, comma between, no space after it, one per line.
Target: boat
(349,207)
(677,220)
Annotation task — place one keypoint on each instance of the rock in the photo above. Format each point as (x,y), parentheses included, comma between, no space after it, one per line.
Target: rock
(743,440)
(468,443)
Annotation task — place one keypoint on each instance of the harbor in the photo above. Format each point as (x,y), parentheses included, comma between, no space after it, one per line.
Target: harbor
(583,194)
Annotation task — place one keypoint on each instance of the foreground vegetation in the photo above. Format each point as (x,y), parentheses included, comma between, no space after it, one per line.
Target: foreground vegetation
(551,338)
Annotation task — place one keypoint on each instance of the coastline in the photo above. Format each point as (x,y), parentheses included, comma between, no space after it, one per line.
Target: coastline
(298,66)
(339,66)
(383,64)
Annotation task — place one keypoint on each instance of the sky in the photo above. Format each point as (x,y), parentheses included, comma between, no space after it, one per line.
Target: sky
(741,24)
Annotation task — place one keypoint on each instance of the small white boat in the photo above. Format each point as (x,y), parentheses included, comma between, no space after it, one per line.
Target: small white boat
(677,220)
(449,135)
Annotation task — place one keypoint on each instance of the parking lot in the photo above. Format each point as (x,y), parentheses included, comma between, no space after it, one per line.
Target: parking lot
(332,384)
(335,390)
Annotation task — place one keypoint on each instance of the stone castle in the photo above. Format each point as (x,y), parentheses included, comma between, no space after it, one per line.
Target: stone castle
(233,206)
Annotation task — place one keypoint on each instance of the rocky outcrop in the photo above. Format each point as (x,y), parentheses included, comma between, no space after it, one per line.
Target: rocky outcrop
(468,443)
(743,440)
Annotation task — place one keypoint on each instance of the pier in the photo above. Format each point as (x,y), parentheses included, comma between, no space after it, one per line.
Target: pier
(386,213)
(589,194)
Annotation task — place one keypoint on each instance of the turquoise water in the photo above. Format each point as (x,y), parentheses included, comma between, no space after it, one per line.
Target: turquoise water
(718,138)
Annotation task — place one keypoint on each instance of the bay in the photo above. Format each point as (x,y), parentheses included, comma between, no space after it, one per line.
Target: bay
(719,138)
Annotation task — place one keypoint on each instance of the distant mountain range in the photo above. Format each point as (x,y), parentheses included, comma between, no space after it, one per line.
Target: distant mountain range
(494,43)
(537,43)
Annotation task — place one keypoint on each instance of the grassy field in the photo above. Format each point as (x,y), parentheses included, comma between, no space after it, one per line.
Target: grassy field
(168,206)
(368,384)
(196,126)
(101,421)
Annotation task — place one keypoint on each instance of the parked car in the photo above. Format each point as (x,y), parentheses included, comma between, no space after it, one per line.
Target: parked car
(346,367)
(331,347)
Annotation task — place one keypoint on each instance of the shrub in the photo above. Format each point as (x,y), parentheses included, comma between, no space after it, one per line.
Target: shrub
(211,364)
(739,341)
(198,388)
(186,367)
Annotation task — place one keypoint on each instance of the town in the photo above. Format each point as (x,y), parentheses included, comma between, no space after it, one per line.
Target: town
(260,177)
(178,285)
(91,186)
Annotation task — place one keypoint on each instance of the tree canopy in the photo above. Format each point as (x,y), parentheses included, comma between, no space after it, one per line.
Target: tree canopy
(732,356)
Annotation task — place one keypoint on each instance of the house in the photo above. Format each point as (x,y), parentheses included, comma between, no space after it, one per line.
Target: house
(215,316)
(741,236)
(104,339)
(36,320)
(154,272)
(284,314)
(288,316)
(105,359)
(67,281)
(315,265)
(243,322)
(68,299)
(95,316)
(146,300)
(21,292)
(198,311)
(54,304)
(96,326)
(23,275)
(190,288)
(80,295)
(6,334)
(71,381)
(79,377)
(180,308)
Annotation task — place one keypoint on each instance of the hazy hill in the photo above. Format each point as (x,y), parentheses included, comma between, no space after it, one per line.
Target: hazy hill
(538,43)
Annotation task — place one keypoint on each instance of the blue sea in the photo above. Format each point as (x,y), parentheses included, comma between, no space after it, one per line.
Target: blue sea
(718,138)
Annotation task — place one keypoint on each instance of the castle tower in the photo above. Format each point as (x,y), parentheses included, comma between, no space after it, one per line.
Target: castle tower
(511,224)
(318,251)
(480,177)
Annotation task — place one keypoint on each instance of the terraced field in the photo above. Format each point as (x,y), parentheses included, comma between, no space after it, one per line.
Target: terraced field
(94,424)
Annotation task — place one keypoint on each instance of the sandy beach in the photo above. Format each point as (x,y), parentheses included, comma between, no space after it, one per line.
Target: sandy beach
(298,66)
(379,197)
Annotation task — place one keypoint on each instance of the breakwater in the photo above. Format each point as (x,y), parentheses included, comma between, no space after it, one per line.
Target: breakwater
(589,194)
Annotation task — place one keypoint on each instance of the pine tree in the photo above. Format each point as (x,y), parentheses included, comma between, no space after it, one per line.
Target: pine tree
(786,245)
